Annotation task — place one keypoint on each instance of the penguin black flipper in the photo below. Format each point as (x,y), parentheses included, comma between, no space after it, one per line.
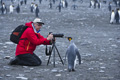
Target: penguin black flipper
(78,55)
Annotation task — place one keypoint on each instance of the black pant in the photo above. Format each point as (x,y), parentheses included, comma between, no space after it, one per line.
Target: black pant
(27,60)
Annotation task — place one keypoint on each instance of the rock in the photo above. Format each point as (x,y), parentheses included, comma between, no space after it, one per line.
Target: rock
(102,50)
(60,70)
(46,69)
(5,47)
(58,75)
(21,78)
(110,39)
(116,60)
(31,68)
(9,43)
(21,75)
(1,51)
(6,67)
(100,59)
(8,75)
(101,63)
(81,62)
(114,45)
(27,71)
(102,67)
(54,70)
(90,68)
(25,66)
(65,69)
(101,71)
(7,57)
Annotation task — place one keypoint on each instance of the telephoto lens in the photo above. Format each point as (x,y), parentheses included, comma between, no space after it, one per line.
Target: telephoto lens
(58,35)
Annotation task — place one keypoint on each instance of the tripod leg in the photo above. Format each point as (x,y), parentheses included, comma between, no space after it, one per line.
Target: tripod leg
(54,56)
(59,55)
(50,56)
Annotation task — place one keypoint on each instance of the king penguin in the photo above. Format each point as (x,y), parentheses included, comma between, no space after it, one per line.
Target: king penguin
(72,53)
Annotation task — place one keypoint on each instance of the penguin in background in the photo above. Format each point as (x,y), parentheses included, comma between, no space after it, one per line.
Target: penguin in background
(32,7)
(18,9)
(92,3)
(112,18)
(72,53)
(99,5)
(117,16)
(119,13)
(59,7)
(66,4)
(11,8)
(4,8)
(109,6)
(25,1)
(50,5)
(74,7)
(40,1)
(36,11)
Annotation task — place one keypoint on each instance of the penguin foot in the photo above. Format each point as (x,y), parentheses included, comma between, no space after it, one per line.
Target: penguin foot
(71,70)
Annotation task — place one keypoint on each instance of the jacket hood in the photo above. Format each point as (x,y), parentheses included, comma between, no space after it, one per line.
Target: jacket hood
(29,24)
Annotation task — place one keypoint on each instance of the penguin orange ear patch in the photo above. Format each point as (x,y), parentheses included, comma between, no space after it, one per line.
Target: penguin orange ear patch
(69,38)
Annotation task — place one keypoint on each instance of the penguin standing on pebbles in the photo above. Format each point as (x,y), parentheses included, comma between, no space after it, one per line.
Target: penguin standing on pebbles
(72,53)
(112,17)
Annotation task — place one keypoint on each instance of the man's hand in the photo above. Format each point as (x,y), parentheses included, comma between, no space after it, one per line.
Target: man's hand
(50,37)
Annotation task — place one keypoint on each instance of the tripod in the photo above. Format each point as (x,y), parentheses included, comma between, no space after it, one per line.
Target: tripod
(53,49)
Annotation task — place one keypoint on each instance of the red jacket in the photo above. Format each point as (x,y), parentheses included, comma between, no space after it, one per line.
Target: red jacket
(31,40)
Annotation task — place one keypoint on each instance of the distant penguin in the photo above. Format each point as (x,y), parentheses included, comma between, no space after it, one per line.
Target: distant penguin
(25,1)
(36,11)
(66,4)
(117,16)
(98,5)
(119,4)
(63,3)
(54,1)
(59,6)
(40,1)
(74,7)
(11,8)
(18,9)
(32,7)
(72,53)
(119,13)
(4,8)
(92,3)
(50,5)
(109,7)
(112,18)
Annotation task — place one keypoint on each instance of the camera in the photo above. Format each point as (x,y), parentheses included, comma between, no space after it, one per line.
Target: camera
(57,35)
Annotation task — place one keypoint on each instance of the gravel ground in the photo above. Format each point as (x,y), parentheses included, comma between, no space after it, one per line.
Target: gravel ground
(98,42)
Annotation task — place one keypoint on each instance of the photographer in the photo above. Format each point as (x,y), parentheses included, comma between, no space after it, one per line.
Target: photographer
(26,46)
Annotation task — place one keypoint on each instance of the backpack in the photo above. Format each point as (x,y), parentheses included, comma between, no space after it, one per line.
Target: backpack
(17,33)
